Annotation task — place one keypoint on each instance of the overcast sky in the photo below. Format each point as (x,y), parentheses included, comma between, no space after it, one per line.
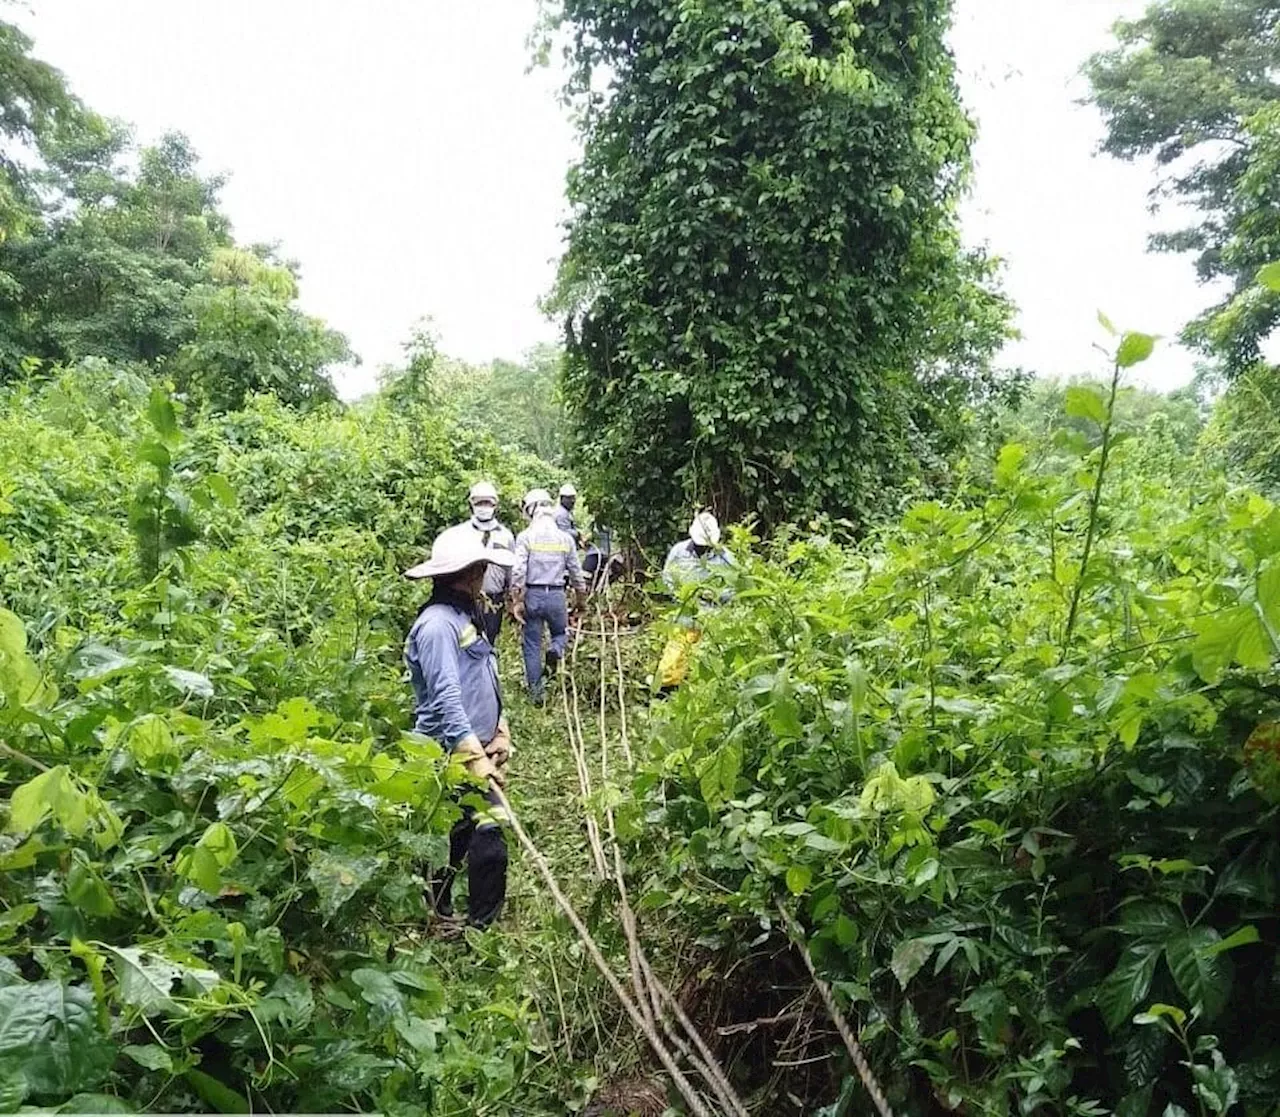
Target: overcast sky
(399,150)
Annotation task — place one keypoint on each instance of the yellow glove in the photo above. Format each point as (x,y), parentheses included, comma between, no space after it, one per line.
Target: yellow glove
(474,759)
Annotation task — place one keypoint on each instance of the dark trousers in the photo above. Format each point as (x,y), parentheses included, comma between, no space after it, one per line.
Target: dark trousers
(491,619)
(484,849)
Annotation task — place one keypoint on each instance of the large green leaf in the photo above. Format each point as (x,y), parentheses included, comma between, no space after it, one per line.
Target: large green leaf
(145,979)
(1134,348)
(718,772)
(49,1038)
(338,877)
(1084,402)
(908,958)
(1203,974)
(1122,990)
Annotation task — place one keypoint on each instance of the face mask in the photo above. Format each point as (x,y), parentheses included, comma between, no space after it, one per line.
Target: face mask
(483,511)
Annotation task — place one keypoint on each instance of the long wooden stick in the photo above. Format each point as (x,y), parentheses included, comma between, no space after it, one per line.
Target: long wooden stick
(697,1105)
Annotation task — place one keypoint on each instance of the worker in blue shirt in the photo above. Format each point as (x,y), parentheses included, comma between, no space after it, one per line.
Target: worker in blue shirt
(546,558)
(564,512)
(454,674)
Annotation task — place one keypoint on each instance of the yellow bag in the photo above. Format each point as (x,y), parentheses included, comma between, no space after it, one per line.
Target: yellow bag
(674,664)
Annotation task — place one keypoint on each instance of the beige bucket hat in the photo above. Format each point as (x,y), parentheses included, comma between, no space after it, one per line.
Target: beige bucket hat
(457,548)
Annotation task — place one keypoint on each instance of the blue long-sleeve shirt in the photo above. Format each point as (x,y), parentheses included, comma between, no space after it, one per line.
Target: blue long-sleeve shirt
(454,674)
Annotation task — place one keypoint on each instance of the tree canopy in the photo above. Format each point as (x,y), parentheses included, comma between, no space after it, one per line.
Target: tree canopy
(1195,84)
(768,306)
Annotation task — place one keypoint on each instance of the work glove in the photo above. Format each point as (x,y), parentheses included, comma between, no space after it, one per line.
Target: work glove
(517,606)
(499,750)
(475,759)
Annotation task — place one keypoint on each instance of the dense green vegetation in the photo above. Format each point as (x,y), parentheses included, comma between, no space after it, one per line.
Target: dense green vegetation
(988,727)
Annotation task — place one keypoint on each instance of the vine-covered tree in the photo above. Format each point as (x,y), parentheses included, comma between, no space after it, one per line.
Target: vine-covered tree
(1196,85)
(769,309)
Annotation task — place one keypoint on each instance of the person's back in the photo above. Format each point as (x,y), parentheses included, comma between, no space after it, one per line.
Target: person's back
(549,557)
(545,559)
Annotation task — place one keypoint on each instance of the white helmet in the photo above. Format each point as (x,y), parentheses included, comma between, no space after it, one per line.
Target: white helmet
(533,498)
(705,530)
(568,490)
(483,490)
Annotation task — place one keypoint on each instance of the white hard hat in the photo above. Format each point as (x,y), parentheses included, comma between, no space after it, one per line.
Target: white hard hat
(532,499)
(568,490)
(455,549)
(705,530)
(483,490)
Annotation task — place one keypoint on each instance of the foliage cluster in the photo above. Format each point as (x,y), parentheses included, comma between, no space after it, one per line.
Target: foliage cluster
(768,306)
(1013,764)
(215,829)
(518,403)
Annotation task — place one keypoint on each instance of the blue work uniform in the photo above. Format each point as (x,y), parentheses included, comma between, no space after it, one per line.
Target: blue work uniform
(454,674)
(565,522)
(684,565)
(546,558)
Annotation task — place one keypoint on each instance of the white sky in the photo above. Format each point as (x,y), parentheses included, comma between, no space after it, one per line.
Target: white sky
(399,150)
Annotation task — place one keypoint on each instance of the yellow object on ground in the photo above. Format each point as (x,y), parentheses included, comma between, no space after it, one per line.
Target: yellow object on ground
(674,664)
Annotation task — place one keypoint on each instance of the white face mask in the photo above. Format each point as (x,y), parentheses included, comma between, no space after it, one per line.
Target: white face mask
(483,511)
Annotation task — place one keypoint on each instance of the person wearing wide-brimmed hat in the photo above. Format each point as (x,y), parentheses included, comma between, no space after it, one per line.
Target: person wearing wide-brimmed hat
(454,673)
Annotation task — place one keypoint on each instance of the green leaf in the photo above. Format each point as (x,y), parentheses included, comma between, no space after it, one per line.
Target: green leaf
(86,890)
(1121,991)
(160,413)
(151,743)
(145,979)
(151,1055)
(1216,1085)
(718,772)
(1243,937)
(52,794)
(1134,349)
(338,877)
(1235,635)
(1107,324)
(379,991)
(223,1098)
(1269,276)
(420,1034)
(798,879)
(14,918)
(1151,920)
(1157,1012)
(221,489)
(1203,975)
(784,718)
(154,452)
(1009,464)
(908,958)
(1083,402)
(203,863)
(95,1103)
(49,1038)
